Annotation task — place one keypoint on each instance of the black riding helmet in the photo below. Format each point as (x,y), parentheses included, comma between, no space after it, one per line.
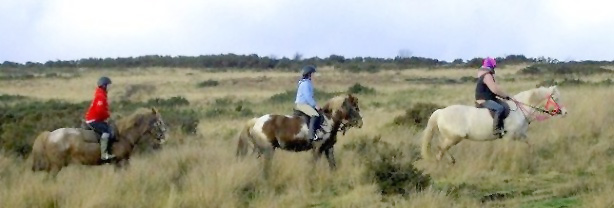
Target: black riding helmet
(308,70)
(104,81)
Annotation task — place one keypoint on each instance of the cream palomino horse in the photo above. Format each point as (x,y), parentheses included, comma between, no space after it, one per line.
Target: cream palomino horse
(458,122)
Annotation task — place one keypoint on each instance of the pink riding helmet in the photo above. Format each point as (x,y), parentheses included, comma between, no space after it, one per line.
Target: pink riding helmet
(489,62)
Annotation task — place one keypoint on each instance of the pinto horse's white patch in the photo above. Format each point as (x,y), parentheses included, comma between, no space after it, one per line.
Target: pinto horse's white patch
(259,124)
(303,133)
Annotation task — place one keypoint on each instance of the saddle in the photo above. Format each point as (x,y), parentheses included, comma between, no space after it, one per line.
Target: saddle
(506,109)
(98,133)
(305,118)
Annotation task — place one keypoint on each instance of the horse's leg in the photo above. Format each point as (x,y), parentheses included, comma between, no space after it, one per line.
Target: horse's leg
(122,164)
(268,157)
(317,153)
(528,145)
(330,156)
(54,169)
(445,145)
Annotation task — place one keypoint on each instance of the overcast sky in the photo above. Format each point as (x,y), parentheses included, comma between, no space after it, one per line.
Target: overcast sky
(41,30)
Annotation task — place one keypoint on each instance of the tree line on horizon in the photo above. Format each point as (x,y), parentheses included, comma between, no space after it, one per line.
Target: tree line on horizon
(253,61)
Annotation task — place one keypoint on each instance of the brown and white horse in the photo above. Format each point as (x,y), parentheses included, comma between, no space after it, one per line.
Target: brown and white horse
(268,132)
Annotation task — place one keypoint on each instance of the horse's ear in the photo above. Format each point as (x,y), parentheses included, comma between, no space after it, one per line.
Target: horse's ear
(154,110)
(352,98)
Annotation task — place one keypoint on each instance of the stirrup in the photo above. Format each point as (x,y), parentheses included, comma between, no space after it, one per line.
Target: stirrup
(499,133)
(107,156)
(315,138)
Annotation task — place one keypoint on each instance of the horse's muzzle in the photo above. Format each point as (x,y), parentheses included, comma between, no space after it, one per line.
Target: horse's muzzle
(162,139)
(359,123)
(563,112)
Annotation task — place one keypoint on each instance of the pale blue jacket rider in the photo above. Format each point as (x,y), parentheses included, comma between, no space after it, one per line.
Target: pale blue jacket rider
(304,94)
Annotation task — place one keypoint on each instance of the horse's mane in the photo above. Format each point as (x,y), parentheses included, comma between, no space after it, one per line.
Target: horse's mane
(134,118)
(535,94)
(334,104)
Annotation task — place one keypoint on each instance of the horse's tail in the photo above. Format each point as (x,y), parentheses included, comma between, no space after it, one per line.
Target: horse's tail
(39,161)
(427,136)
(244,137)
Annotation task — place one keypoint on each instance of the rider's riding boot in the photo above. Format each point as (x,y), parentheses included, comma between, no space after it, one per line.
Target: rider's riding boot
(104,143)
(312,129)
(498,129)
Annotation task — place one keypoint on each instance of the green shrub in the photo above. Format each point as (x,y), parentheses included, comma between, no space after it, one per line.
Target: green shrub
(237,112)
(573,82)
(362,67)
(564,69)
(185,120)
(468,79)
(20,124)
(136,89)
(208,83)
(171,102)
(388,165)
(417,115)
(10,98)
(361,89)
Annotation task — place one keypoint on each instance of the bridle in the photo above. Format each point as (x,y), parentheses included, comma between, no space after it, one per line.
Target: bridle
(352,122)
(160,129)
(551,102)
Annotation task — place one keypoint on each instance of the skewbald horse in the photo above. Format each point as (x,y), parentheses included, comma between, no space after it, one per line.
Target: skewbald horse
(458,122)
(56,149)
(268,132)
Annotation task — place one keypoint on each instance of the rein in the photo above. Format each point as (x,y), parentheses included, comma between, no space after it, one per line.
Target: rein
(525,112)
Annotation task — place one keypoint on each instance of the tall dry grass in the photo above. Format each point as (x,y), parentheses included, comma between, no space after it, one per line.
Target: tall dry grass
(570,160)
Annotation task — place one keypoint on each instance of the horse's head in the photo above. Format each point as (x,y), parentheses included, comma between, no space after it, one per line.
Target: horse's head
(353,111)
(555,101)
(551,100)
(544,99)
(344,109)
(157,127)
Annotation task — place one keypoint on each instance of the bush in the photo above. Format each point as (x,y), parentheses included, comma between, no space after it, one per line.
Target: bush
(564,69)
(362,67)
(360,89)
(237,112)
(573,82)
(20,124)
(468,79)
(185,120)
(171,102)
(159,103)
(133,90)
(11,98)
(418,115)
(208,83)
(227,107)
(389,167)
